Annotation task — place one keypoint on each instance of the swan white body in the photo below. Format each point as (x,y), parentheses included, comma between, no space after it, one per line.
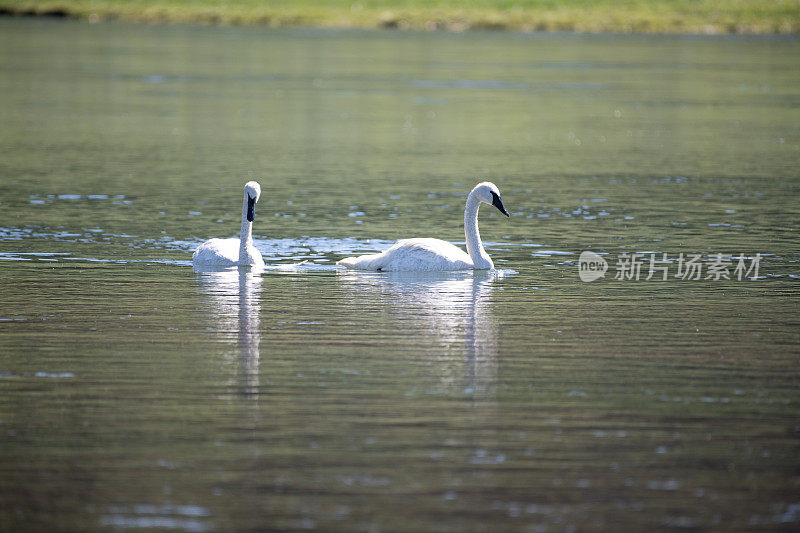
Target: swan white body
(233,251)
(434,254)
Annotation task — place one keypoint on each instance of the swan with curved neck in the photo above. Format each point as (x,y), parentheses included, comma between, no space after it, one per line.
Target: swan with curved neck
(434,254)
(233,251)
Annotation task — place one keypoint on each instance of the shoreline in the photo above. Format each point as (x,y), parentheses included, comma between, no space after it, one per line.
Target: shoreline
(602,18)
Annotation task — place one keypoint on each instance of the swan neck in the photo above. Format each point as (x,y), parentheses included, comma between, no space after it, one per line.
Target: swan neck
(480,259)
(246,236)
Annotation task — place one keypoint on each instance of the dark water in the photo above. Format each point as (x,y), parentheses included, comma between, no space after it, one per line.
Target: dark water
(138,394)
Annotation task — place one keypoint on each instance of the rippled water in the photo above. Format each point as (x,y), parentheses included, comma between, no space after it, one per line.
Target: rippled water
(140,394)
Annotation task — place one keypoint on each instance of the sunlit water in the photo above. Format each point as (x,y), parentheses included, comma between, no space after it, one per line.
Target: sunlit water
(140,394)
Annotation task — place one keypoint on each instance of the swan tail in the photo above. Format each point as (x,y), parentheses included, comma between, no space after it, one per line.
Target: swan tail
(362,262)
(348,262)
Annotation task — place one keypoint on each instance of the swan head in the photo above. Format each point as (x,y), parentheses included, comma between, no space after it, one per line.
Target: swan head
(488,193)
(252,192)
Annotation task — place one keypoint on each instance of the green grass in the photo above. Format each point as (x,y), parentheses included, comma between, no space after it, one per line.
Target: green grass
(648,16)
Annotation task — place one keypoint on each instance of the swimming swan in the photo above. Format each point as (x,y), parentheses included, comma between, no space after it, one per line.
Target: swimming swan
(233,251)
(434,254)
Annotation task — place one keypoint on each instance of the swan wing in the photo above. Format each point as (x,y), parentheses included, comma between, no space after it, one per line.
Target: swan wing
(413,255)
(218,252)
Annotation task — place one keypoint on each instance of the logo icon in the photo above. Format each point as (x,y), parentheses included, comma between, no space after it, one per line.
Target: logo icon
(591,266)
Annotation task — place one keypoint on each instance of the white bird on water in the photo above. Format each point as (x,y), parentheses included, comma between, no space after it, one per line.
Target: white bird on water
(434,254)
(233,251)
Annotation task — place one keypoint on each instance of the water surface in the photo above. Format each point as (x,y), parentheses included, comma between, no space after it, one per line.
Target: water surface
(140,394)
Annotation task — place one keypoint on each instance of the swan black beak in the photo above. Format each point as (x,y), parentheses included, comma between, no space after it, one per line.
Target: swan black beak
(498,203)
(251,208)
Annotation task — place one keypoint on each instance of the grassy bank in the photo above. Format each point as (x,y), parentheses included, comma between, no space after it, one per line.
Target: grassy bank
(648,16)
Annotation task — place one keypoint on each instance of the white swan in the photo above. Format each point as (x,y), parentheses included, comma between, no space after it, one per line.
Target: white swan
(233,251)
(435,254)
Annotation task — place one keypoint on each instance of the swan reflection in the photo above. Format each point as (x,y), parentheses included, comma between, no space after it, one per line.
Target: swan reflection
(444,313)
(234,297)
